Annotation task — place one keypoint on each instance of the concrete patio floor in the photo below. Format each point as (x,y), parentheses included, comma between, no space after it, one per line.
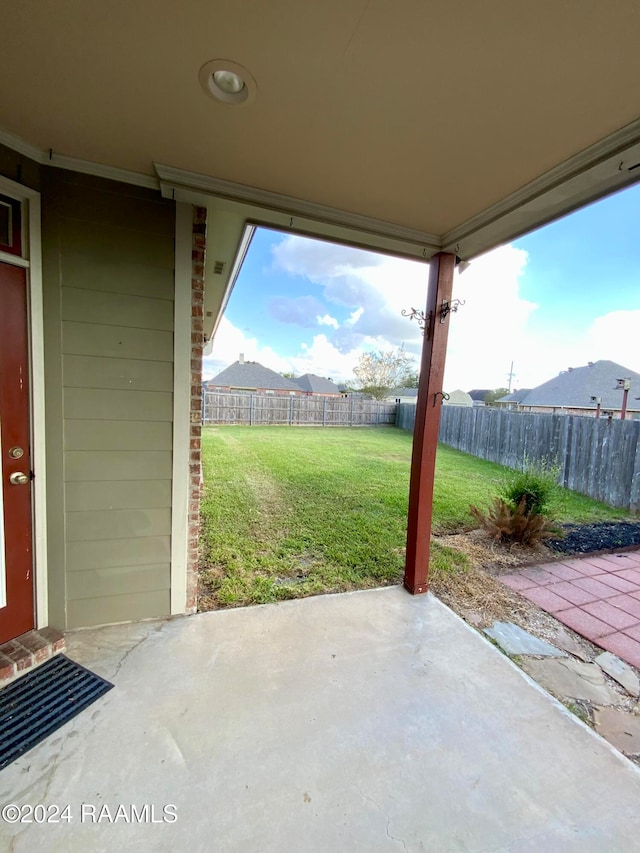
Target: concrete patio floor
(370,721)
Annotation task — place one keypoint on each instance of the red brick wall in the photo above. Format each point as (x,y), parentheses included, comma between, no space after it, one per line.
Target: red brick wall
(198,254)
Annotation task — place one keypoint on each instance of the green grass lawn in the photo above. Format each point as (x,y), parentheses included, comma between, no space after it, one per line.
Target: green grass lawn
(289,512)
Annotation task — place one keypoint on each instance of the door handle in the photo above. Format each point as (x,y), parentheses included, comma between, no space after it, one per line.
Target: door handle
(19,479)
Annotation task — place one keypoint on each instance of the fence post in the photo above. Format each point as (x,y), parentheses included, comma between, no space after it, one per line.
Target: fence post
(351,411)
(324,411)
(250,409)
(634,496)
(291,411)
(566,463)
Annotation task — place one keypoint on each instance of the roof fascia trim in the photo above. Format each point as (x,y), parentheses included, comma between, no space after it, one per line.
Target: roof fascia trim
(424,244)
(589,175)
(113,173)
(75,164)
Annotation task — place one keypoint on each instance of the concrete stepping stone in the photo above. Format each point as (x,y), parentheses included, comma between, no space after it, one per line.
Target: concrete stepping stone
(620,672)
(564,640)
(620,728)
(571,679)
(514,640)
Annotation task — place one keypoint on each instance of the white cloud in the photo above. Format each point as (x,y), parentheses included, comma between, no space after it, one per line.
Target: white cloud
(327,320)
(375,287)
(487,333)
(614,336)
(319,356)
(490,329)
(324,359)
(230,341)
(298,312)
(318,260)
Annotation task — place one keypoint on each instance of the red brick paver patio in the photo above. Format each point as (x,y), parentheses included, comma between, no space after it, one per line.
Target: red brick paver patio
(598,597)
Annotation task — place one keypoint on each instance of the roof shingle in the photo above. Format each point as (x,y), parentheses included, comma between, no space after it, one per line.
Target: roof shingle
(573,388)
(316,384)
(252,375)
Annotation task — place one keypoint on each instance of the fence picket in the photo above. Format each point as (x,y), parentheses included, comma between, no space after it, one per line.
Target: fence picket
(236,407)
(597,457)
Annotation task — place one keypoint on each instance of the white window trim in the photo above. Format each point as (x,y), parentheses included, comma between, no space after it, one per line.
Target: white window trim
(31,201)
(181,409)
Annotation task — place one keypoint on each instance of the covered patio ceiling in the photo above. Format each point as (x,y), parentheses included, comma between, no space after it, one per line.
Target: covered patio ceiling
(409,127)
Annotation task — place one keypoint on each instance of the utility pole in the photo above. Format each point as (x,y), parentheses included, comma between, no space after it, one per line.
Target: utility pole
(511,376)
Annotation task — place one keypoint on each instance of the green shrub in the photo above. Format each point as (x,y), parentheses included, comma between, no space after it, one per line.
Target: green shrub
(536,484)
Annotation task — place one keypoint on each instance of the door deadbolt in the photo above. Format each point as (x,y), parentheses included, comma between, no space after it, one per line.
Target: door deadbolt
(19,479)
(16,452)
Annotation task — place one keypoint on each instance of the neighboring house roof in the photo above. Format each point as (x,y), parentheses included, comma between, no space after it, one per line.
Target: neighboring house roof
(316,384)
(251,374)
(458,398)
(479,394)
(403,392)
(514,396)
(573,388)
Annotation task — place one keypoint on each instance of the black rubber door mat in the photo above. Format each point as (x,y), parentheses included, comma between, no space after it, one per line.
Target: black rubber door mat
(37,704)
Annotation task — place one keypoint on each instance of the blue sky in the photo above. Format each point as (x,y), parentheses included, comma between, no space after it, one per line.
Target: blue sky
(564,295)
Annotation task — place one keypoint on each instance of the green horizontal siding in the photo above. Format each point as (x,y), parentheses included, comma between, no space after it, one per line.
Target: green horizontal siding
(110,277)
(85,526)
(138,215)
(117,342)
(103,553)
(109,266)
(118,608)
(82,371)
(110,405)
(117,494)
(84,244)
(118,435)
(116,309)
(117,465)
(117,580)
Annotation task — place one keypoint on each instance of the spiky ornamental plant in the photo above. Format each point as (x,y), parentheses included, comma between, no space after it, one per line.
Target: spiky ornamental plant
(505,522)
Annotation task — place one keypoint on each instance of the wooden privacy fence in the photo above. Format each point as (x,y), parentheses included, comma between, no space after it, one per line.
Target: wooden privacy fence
(597,457)
(255,409)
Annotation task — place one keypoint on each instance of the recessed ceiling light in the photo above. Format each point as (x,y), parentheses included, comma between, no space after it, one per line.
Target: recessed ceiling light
(227,81)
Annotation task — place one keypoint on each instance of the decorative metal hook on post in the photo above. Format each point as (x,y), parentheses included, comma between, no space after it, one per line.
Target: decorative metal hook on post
(422,318)
(449,308)
(442,394)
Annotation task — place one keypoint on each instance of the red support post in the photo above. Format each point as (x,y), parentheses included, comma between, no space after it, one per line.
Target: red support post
(625,397)
(425,432)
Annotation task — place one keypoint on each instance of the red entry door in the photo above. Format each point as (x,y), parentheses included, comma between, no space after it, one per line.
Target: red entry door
(16,553)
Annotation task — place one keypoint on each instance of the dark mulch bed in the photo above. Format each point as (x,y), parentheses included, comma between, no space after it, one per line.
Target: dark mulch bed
(604,536)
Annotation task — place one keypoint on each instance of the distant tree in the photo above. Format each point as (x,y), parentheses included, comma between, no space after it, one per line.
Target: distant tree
(413,380)
(492,396)
(289,374)
(378,373)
